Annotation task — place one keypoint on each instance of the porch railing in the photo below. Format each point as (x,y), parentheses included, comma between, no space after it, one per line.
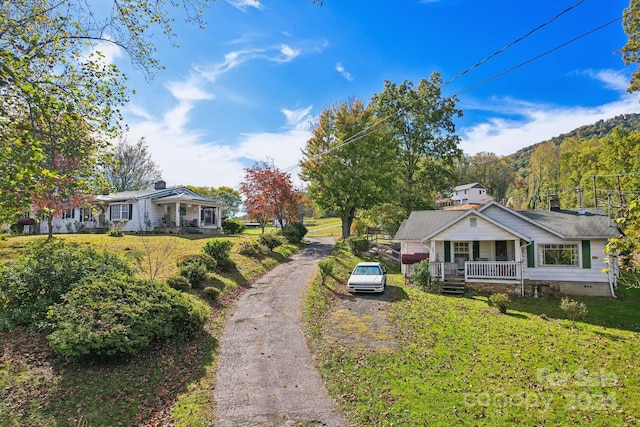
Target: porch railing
(477,270)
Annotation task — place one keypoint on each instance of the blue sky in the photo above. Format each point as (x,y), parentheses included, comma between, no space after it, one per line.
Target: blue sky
(246,88)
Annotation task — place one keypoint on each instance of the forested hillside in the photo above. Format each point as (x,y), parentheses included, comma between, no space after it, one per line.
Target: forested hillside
(599,129)
(602,159)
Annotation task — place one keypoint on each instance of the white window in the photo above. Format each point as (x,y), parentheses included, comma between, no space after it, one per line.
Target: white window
(461,250)
(119,212)
(559,254)
(67,213)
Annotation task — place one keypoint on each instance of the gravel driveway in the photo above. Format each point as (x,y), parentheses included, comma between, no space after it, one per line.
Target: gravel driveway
(266,375)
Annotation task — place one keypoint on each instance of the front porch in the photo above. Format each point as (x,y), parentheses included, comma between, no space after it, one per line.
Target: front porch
(477,271)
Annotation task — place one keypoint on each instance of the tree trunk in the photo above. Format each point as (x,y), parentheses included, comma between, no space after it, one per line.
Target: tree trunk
(50,223)
(346,227)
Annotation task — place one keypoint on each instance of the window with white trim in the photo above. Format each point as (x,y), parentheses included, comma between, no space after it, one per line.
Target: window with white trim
(565,254)
(119,212)
(67,213)
(461,250)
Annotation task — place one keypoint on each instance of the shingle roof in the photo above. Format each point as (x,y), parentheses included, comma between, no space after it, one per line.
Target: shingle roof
(594,223)
(422,223)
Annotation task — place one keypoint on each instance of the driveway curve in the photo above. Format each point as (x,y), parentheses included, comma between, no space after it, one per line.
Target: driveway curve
(265,374)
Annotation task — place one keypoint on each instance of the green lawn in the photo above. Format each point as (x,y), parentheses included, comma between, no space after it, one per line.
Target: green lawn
(460,362)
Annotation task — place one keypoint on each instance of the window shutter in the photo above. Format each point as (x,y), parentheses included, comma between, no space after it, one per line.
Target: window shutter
(586,254)
(447,251)
(476,250)
(130,211)
(73,213)
(531,255)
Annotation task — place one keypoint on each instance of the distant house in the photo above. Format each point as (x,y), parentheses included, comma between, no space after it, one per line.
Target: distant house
(494,248)
(467,195)
(174,209)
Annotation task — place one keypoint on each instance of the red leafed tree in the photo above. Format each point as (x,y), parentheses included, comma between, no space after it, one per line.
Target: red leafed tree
(269,194)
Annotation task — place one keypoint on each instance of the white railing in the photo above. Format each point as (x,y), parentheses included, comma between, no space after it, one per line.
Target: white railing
(437,270)
(499,270)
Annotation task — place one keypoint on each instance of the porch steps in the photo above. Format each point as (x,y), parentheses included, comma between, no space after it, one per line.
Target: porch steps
(453,285)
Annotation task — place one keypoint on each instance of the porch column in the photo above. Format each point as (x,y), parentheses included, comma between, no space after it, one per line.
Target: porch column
(178,224)
(219,217)
(199,219)
(518,250)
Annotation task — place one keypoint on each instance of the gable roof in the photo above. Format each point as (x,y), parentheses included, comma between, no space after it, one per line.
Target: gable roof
(469,186)
(594,223)
(422,223)
(177,194)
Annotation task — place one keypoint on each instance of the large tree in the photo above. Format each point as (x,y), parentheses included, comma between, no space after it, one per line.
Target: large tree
(349,161)
(269,194)
(52,69)
(493,172)
(130,167)
(631,51)
(420,123)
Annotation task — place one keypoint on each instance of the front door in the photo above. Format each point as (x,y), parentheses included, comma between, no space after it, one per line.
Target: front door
(501,250)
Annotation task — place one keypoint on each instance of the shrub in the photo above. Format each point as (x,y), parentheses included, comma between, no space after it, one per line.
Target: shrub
(421,276)
(195,273)
(501,301)
(359,227)
(48,270)
(207,260)
(271,240)
(294,232)
(212,293)
(226,265)
(233,226)
(574,309)
(179,283)
(219,249)
(326,268)
(252,248)
(120,315)
(358,245)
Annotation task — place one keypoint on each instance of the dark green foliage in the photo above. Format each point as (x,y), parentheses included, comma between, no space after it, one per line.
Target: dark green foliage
(212,293)
(358,244)
(326,268)
(116,316)
(271,240)
(179,283)
(226,265)
(48,270)
(252,248)
(233,226)
(421,276)
(195,273)
(501,301)
(219,249)
(294,232)
(207,260)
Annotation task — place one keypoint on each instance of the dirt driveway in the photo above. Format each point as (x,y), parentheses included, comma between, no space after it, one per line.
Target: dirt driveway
(266,375)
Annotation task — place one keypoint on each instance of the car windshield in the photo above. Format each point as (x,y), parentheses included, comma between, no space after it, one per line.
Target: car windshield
(368,270)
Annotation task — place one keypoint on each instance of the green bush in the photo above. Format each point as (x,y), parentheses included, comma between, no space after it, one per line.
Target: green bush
(252,248)
(574,309)
(207,260)
(44,274)
(219,249)
(358,245)
(501,301)
(294,232)
(195,273)
(226,265)
(179,283)
(233,226)
(212,293)
(326,268)
(272,240)
(121,315)
(421,276)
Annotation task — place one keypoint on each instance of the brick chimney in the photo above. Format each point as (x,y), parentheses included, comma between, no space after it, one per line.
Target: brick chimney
(554,203)
(160,185)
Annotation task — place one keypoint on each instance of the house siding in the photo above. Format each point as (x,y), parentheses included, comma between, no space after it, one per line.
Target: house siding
(484,230)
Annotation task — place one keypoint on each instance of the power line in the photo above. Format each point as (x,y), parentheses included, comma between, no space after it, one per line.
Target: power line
(368,131)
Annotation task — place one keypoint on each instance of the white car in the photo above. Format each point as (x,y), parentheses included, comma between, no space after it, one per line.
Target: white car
(367,277)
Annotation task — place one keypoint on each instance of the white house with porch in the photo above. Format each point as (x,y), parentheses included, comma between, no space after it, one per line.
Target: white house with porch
(494,247)
(159,209)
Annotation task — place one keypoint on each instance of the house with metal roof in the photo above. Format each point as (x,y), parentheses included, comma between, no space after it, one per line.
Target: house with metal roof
(160,209)
(494,248)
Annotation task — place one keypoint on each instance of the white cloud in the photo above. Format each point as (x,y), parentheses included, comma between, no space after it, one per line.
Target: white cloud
(104,52)
(347,75)
(297,118)
(532,123)
(191,89)
(612,79)
(243,5)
